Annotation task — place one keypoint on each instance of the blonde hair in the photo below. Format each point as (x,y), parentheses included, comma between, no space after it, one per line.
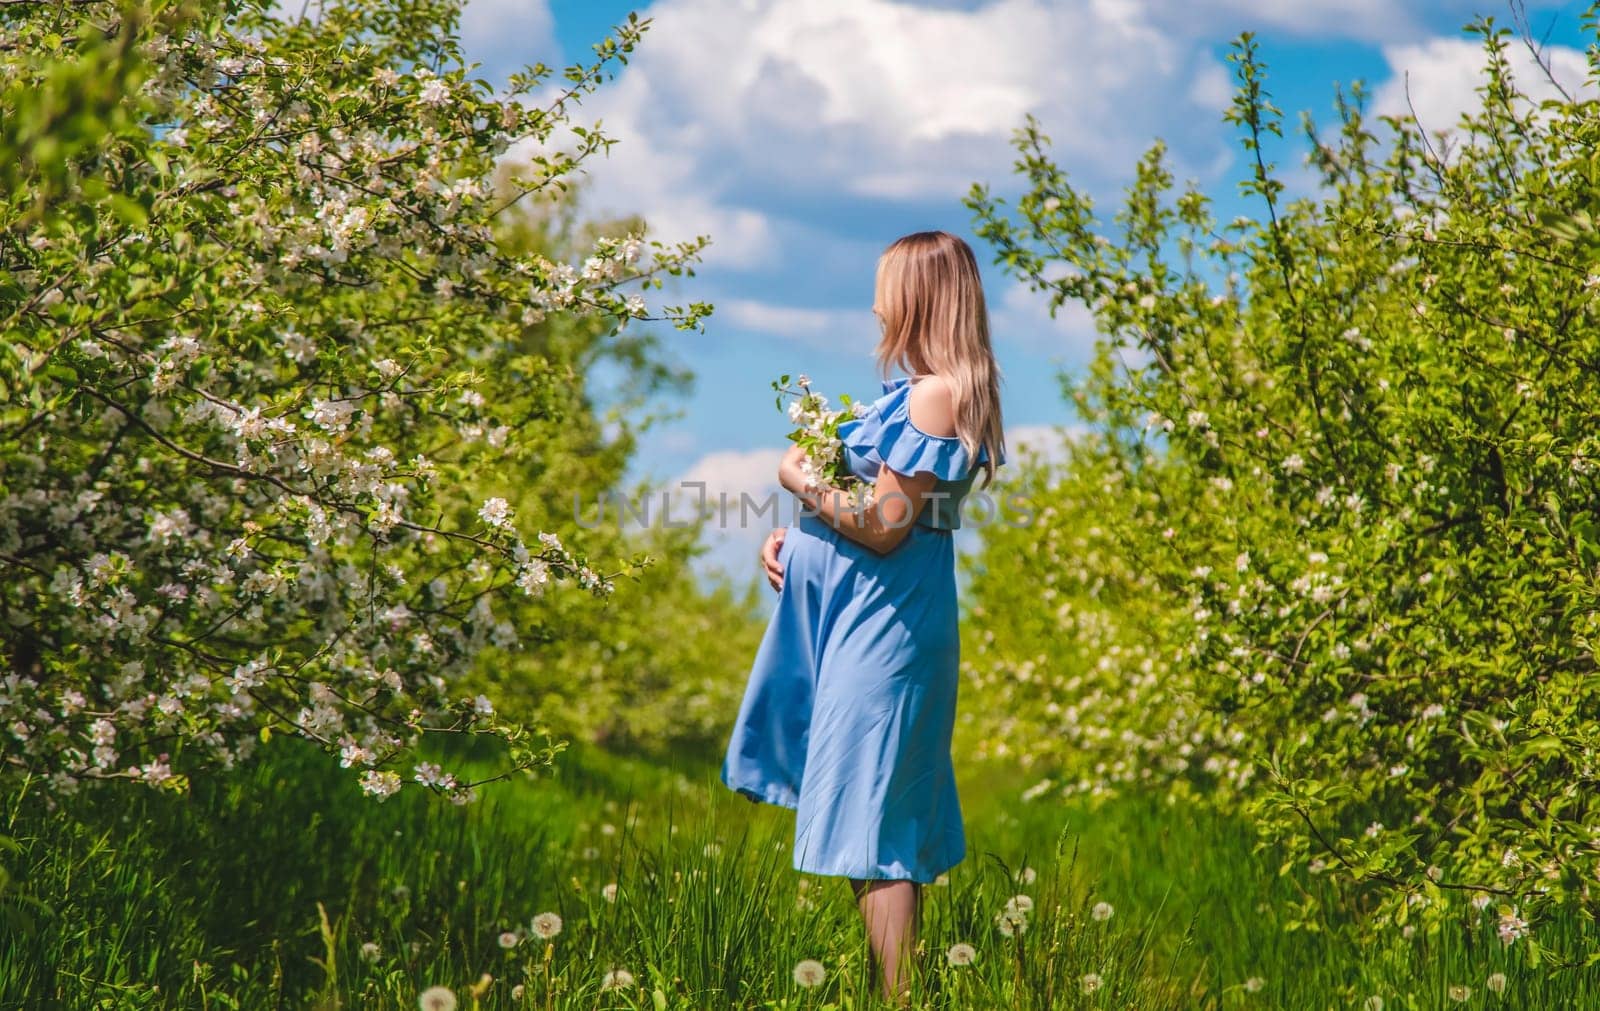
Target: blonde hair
(935,321)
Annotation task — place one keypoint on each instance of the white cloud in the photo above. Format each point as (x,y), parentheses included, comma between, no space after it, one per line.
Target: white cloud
(742,120)
(1021,317)
(735,472)
(734,533)
(1213,89)
(659,184)
(506,35)
(676,440)
(1441,77)
(1046,443)
(1380,22)
(828,329)
(740,491)
(1366,20)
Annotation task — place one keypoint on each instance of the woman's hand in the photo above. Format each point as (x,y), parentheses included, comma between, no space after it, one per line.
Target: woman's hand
(769,557)
(790,476)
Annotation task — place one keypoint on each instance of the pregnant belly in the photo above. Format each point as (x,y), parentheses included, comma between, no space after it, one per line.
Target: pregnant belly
(810,548)
(893,613)
(815,552)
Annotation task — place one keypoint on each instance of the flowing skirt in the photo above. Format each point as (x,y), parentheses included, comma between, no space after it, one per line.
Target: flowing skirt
(848,712)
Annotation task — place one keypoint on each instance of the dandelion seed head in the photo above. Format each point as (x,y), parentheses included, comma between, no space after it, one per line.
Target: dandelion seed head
(616,979)
(1090,982)
(437,998)
(961,953)
(1102,911)
(547,925)
(1011,922)
(809,972)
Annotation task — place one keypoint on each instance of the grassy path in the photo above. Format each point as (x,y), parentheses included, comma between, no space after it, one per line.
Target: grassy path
(286,889)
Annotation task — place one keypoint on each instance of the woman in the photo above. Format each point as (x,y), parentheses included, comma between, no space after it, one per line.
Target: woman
(851,700)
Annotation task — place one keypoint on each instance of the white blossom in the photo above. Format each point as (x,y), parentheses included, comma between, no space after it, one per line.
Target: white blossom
(433,92)
(496,512)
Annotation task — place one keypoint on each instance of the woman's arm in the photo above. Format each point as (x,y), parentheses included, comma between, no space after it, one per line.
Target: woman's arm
(898,500)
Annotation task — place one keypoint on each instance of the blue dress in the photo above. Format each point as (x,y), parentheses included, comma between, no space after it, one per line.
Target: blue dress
(851,700)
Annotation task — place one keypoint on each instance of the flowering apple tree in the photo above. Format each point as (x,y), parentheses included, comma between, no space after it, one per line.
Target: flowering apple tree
(1330,552)
(259,338)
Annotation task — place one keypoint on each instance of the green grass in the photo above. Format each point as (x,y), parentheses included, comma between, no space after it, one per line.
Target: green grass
(1226,909)
(218,900)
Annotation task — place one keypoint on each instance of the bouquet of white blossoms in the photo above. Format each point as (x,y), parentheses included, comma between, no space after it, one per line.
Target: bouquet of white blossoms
(824,465)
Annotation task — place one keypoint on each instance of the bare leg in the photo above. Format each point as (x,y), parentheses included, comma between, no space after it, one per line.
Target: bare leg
(891,910)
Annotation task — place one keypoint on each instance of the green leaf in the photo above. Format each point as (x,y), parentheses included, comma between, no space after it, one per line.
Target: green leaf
(130,211)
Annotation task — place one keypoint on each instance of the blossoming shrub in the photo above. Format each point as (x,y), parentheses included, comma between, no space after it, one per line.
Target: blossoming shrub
(1331,552)
(657,670)
(261,358)
(1072,672)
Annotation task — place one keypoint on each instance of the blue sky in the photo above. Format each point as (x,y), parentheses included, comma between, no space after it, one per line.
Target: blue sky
(805,135)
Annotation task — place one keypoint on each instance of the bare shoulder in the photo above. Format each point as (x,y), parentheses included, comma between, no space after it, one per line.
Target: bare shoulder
(933,407)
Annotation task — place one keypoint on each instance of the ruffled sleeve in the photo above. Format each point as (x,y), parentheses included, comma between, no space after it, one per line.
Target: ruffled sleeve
(884,434)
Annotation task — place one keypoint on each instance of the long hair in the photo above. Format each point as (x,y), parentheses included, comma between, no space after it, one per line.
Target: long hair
(935,320)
